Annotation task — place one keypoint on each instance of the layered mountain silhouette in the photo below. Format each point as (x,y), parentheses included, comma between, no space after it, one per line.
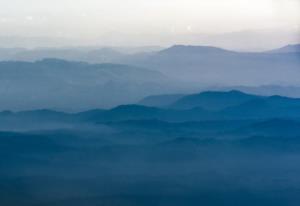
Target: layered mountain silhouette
(193,50)
(230,105)
(160,100)
(91,55)
(213,100)
(65,85)
(117,134)
(205,65)
(212,105)
(201,65)
(181,152)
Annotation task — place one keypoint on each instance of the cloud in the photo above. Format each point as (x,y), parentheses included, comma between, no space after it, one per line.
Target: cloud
(29,18)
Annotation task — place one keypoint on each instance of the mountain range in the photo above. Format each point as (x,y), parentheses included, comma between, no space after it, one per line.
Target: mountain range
(76,86)
(287,49)
(65,85)
(232,105)
(189,148)
(183,125)
(210,65)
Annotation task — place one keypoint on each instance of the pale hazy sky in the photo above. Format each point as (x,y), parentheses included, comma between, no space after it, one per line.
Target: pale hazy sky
(145,21)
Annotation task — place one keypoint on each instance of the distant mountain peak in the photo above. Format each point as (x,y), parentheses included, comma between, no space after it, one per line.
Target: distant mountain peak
(160,100)
(182,49)
(55,62)
(290,48)
(133,108)
(295,46)
(231,92)
(213,100)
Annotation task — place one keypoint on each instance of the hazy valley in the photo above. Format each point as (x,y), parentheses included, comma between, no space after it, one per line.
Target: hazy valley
(186,151)
(186,125)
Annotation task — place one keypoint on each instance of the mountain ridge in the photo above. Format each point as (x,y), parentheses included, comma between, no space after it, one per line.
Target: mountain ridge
(210,106)
(290,48)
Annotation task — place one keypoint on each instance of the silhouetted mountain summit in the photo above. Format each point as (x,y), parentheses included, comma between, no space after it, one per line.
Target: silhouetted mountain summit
(266,107)
(213,100)
(160,100)
(291,48)
(56,62)
(193,50)
(91,55)
(211,65)
(133,112)
(204,106)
